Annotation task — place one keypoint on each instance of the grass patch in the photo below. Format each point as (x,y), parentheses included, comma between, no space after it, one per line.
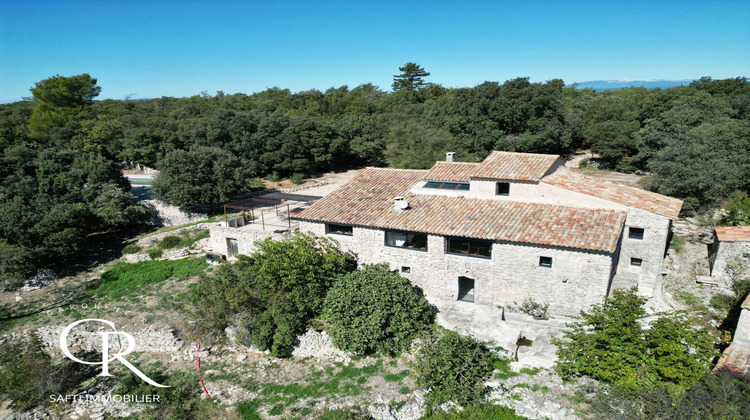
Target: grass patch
(396,377)
(127,279)
(530,371)
(481,411)
(131,249)
(346,381)
(689,298)
(503,368)
(248,410)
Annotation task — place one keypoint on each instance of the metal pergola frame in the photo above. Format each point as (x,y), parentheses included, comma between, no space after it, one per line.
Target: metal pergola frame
(249,204)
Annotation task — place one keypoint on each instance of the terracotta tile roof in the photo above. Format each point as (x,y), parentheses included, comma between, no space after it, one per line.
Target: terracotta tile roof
(612,191)
(451,171)
(514,166)
(367,200)
(735,359)
(733,233)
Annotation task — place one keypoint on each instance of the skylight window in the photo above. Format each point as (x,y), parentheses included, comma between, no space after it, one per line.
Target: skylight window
(456,186)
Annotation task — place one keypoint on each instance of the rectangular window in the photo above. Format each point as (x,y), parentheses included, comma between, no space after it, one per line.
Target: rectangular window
(340,229)
(470,247)
(545,262)
(405,269)
(635,233)
(503,188)
(466,289)
(636,261)
(457,186)
(406,240)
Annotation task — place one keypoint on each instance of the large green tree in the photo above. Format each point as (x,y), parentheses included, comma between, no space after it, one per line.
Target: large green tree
(411,77)
(58,99)
(200,176)
(610,344)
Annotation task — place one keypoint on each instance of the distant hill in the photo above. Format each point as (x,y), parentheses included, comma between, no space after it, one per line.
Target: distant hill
(624,84)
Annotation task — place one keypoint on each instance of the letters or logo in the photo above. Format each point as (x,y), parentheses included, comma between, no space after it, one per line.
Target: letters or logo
(106,359)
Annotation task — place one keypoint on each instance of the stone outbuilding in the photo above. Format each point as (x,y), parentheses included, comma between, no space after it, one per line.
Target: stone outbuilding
(729,255)
(512,227)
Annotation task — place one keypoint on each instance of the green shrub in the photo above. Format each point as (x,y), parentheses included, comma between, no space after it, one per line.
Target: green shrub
(719,395)
(375,310)
(737,210)
(479,411)
(609,344)
(131,249)
(722,302)
(677,242)
(273,177)
(155,253)
(182,400)
(297,179)
(452,367)
(30,377)
(169,242)
(276,292)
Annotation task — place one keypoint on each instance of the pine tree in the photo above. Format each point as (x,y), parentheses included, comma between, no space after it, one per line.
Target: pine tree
(411,78)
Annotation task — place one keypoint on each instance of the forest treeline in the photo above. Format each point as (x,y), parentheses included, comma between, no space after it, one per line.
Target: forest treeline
(695,139)
(62,148)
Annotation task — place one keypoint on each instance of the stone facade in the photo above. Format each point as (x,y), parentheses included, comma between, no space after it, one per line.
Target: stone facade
(576,280)
(729,255)
(742,333)
(220,236)
(640,258)
(650,250)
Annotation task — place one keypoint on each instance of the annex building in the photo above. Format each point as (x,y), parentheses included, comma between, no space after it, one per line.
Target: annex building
(514,226)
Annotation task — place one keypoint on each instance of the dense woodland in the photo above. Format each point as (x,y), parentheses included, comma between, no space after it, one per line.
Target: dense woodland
(62,149)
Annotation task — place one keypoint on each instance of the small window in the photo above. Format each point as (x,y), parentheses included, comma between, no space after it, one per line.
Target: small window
(545,262)
(503,188)
(340,229)
(635,233)
(746,257)
(636,262)
(458,186)
(406,240)
(465,289)
(470,247)
(405,269)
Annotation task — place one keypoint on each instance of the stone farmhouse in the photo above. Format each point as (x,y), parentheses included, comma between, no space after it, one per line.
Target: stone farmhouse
(514,226)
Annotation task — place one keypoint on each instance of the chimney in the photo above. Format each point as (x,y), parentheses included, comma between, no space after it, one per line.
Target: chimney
(400,204)
(450,156)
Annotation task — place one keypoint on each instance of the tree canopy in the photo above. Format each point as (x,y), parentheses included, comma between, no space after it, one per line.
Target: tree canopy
(411,77)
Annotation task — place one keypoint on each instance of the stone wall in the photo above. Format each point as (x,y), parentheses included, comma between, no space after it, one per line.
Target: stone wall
(576,280)
(218,241)
(168,215)
(742,333)
(650,250)
(727,254)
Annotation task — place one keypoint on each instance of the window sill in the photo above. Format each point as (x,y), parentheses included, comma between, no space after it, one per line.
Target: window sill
(406,247)
(468,255)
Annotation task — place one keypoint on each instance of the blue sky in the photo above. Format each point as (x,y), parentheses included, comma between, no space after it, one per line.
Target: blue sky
(181,48)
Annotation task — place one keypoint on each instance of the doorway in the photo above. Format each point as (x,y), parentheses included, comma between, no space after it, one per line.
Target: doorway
(465,289)
(232,248)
